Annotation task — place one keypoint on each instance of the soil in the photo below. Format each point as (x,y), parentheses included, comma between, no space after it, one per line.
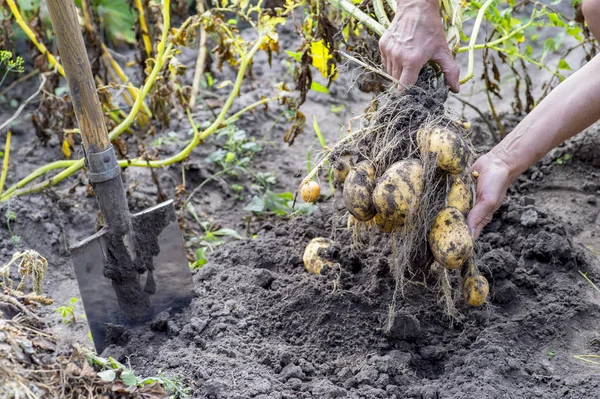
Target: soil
(260,326)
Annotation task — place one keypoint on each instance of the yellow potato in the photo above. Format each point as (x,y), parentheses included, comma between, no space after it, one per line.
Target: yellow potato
(384,225)
(460,195)
(450,239)
(341,168)
(311,191)
(475,290)
(447,146)
(398,190)
(313,259)
(358,189)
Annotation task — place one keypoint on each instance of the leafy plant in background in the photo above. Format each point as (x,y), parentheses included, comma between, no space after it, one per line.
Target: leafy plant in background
(209,240)
(234,155)
(67,312)
(563,159)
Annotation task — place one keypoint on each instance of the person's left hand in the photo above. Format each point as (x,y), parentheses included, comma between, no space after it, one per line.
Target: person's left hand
(492,183)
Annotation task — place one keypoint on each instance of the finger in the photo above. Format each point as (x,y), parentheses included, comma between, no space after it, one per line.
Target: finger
(482,212)
(449,68)
(396,70)
(409,76)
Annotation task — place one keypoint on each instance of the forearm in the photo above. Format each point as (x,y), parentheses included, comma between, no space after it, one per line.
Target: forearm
(570,108)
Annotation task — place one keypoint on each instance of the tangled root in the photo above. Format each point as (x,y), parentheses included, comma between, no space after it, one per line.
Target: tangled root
(388,133)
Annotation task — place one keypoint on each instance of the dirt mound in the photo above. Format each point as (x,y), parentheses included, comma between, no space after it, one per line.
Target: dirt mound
(263,327)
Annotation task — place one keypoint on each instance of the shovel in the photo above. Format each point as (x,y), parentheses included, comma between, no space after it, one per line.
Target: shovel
(135,267)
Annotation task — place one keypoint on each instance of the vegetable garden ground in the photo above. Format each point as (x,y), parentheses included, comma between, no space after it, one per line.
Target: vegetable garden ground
(261,327)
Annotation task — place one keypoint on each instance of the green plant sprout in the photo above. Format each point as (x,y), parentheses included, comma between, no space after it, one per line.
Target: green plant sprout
(209,240)
(11,216)
(67,312)
(564,159)
(112,370)
(278,204)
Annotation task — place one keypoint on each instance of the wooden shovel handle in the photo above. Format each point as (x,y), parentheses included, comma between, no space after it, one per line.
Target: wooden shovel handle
(74,58)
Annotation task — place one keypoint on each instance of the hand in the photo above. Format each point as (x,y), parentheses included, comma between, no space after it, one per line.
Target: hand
(492,183)
(416,36)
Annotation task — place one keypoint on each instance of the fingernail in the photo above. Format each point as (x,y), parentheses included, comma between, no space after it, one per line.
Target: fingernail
(473,233)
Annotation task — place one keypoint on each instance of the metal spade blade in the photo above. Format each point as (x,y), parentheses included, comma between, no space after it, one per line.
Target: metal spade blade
(167,283)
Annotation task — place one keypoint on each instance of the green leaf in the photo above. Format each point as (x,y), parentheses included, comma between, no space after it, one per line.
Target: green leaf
(237,187)
(566,157)
(257,205)
(28,5)
(129,378)
(295,55)
(73,300)
(562,64)
(560,161)
(227,233)
(319,87)
(10,215)
(107,375)
(118,19)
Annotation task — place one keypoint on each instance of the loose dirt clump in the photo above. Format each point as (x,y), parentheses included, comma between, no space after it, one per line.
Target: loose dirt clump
(263,327)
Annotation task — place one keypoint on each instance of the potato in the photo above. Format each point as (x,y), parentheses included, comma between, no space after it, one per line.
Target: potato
(447,146)
(398,190)
(384,225)
(312,258)
(475,290)
(358,189)
(460,195)
(341,168)
(311,191)
(450,240)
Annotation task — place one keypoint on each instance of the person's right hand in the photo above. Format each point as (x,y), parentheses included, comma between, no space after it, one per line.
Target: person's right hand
(416,36)
(492,183)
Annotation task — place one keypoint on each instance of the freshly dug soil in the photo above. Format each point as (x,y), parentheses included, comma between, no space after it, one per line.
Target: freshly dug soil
(262,327)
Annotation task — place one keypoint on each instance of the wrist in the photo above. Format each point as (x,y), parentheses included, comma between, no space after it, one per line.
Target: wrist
(500,159)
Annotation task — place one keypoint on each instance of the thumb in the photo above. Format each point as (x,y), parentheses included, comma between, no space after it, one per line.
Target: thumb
(449,68)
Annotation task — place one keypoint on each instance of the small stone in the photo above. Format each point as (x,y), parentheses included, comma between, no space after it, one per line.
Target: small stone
(160,321)
(529,218)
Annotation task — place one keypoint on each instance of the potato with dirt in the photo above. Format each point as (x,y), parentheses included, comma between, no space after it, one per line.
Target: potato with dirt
(398,190)
(460,195)
(450,239)
(358,190)
(447,146)
(475,290)
(313,258)
(341,168)
(311,191)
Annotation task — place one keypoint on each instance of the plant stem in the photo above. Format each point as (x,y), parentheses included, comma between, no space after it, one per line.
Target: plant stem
(471,47)
(20,80)
(5,161)
(380,13)
(133,91)
(74,166)
(354,11)
(40,46)
(199,69)
(24,104)
(144,28)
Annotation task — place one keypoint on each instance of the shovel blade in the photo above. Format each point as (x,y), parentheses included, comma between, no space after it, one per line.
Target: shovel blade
(171,279)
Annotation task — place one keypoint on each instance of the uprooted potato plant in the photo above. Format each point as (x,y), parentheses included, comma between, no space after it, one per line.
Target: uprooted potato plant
(404,166)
